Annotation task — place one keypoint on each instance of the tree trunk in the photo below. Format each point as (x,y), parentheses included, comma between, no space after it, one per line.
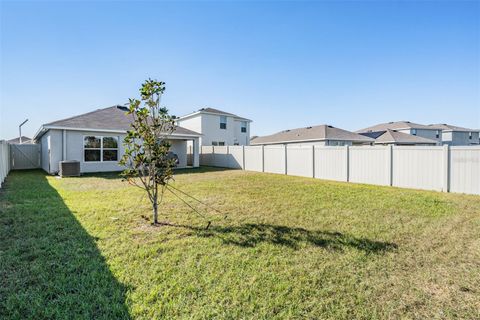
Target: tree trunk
(155,210)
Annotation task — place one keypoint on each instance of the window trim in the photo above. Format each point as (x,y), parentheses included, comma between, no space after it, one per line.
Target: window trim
(243,126)
(101,148)
(225,123)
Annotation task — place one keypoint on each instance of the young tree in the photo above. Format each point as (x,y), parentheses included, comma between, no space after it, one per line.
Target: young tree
(147,161)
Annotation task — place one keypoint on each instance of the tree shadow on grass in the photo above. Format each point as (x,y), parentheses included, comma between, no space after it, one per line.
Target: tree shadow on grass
(250,235)
(50,267)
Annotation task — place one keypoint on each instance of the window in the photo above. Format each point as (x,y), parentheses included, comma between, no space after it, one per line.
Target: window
(214,143)
(98,149)
(414,132)
(244,126)
(221,143)
(223,122)
(470,135)
(437,135)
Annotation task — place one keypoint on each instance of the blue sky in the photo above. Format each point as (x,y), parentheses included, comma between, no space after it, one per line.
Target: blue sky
(283,65)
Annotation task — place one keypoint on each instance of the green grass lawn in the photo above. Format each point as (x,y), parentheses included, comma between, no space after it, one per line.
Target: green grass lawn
(290,248)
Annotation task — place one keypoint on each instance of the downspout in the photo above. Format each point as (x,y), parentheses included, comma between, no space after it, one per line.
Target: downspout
(64,145)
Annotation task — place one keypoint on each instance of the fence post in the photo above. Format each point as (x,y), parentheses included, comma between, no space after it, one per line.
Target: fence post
(286,166)
(347,162)
(313,161)
(263,158)
(446,168)
(243,157)
(213,157)
(390,164)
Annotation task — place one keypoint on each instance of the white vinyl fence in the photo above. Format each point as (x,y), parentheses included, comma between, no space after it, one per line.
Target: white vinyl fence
(440,168)
(4,161)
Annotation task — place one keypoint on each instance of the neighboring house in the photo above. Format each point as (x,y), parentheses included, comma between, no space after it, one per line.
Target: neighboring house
(458,136)
(17,140)
(96,140)
(218,128)
(407,127)
(387,137)
(324,135)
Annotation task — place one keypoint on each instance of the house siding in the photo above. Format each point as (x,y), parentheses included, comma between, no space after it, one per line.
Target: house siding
(460,138)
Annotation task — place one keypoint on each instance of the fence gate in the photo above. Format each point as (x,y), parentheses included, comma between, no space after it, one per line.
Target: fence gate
(25,156)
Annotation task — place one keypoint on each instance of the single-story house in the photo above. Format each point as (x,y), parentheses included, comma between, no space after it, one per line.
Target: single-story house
(19,141)
(324,135)
(392,137)
(95,139)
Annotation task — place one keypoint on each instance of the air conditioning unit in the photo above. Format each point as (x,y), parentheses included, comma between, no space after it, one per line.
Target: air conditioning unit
(69,168)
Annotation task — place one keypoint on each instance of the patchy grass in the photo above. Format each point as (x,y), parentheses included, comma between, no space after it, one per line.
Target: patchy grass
(289,248)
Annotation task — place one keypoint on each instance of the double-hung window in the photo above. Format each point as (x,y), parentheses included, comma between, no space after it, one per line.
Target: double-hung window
(100,149)
(223,122)
(414,132)
(470,135)
(243,128)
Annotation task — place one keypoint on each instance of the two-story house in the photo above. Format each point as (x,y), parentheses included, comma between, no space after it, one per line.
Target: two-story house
(218,128)
(458,136)
(441,133)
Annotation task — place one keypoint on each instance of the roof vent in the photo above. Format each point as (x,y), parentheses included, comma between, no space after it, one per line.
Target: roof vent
(330,126)
(123,108)
(390,122)
(288,130)
(308,128)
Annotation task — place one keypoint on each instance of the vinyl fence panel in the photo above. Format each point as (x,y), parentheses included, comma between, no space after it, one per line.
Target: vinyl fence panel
(300,161)
(419,167)
(25,156)
(274,159)
(206,156)
(331,163)
(465,170)
(254,158)
(369,165)
(235,159)
(440,168)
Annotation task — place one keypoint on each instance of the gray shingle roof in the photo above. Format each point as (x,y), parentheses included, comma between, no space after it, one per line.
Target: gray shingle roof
(315,133)
(111,118)
(448,127)
(394,137)
(395,125)
(215,111)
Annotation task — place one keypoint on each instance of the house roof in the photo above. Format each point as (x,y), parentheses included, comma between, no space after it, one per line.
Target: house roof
(448,127)
(395,137)
(213,111)
(396,125)
(112,118)
(315,133)
(17,140)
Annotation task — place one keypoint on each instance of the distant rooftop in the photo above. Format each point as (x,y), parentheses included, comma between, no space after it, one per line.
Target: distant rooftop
(448,127)
(392,136)
(314,133)
(396,125)
(214,111)
(17,140)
